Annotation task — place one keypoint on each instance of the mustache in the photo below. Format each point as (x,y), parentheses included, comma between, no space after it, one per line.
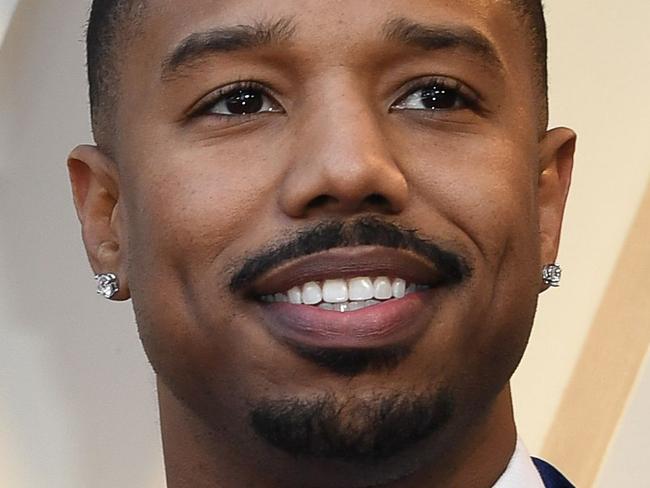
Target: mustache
(365,231)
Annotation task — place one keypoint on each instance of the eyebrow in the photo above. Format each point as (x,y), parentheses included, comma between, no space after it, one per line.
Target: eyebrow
(436,37)
(225,39)
(240,37)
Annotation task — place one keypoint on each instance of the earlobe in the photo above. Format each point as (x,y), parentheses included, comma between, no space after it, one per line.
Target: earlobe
(95,188)
(556,166)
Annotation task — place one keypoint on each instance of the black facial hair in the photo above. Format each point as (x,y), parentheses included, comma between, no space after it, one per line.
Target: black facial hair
(359,430)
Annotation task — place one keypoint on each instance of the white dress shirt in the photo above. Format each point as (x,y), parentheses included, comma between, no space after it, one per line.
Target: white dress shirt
(521,472)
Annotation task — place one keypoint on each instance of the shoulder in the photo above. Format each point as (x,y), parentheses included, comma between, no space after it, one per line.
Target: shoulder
(552,477)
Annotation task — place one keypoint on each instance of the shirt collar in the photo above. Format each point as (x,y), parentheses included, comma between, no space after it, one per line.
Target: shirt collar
(520,471)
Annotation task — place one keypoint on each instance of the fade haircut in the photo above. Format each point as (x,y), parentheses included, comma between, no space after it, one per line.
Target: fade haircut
(113,22)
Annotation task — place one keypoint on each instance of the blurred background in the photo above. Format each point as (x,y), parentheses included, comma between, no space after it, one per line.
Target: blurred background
(77,397)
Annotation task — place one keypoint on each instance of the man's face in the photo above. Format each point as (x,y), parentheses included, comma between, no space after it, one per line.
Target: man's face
(348,141)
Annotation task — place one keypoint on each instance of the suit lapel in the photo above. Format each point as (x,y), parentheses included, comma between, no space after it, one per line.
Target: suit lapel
(552,477)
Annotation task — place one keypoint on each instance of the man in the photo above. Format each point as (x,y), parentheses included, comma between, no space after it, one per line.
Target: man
(334,219)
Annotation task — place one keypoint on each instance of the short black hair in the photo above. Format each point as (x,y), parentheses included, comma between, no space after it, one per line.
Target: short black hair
(532,12)
(112,22)
(110,25)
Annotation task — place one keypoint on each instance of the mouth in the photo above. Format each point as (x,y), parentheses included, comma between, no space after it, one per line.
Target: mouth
(362,297)
(346,296)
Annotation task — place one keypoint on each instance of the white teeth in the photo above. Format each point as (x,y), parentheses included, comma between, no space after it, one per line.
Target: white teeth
(399,288)
(295,296)
(383,288)
(353,306)
(346,295)
(311,293)
(335,291)
(361,289)
(348,306)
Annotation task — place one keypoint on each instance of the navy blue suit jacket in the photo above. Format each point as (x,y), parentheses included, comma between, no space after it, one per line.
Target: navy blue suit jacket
(552,477)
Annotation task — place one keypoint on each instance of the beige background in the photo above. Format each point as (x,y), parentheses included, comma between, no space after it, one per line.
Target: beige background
(77,401)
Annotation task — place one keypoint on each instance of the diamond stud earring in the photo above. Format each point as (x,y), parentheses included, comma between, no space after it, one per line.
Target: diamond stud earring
(552,274)
(107,285)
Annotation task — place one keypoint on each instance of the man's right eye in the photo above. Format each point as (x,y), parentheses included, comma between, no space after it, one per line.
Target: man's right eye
(241,100)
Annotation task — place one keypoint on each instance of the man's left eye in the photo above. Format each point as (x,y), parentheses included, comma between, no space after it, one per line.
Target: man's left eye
(434,96)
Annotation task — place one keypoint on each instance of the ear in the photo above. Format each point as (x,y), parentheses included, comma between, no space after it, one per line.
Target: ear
(556,166)
(95,188)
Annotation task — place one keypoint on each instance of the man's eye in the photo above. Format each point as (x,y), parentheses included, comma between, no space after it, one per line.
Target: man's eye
(243,101)
(434,96)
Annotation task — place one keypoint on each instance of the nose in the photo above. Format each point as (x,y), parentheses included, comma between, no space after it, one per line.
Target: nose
(341,163)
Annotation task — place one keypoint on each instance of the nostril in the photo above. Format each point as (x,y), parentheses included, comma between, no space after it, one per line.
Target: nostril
(377,203)
(374,201)
(321,201)
(377,200)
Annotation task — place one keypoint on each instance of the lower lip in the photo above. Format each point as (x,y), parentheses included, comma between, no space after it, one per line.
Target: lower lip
(392,323)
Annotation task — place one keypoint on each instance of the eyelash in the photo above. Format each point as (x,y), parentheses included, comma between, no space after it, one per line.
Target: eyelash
(470,99)
(203,108)
(468,96)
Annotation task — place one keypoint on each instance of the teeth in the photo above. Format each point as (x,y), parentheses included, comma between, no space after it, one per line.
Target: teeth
(346,295)
(335,291)
(295,296)
(348,306)
(359,305)
(361,289)
(354,306)
(399,288)
(383,288)
(311,293)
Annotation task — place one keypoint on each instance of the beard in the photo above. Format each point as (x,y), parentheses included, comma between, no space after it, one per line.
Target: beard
(355,429)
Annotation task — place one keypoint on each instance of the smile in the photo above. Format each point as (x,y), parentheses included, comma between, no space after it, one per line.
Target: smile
(343,295)
(358,297)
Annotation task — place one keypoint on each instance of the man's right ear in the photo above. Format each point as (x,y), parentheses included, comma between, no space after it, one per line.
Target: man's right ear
(95,188)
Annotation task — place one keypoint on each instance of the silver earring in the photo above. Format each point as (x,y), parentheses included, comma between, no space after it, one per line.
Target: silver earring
(107,285)
(552,275)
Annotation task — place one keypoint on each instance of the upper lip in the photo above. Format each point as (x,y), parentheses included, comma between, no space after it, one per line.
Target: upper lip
(347,262)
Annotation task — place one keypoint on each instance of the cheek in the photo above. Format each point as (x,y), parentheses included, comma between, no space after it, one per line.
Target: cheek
(484,188)
(185,209)
(186,216)
(480,191)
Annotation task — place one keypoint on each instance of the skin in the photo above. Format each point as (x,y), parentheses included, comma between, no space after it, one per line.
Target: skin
(182,198)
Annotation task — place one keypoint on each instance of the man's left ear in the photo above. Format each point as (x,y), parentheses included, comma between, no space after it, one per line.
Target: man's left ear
(556,166)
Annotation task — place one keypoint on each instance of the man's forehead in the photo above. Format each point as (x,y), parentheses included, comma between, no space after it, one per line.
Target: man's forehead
(314,17)
(485,25)
(242,37)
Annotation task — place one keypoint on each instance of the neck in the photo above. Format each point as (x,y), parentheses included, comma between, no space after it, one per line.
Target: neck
(199,456)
